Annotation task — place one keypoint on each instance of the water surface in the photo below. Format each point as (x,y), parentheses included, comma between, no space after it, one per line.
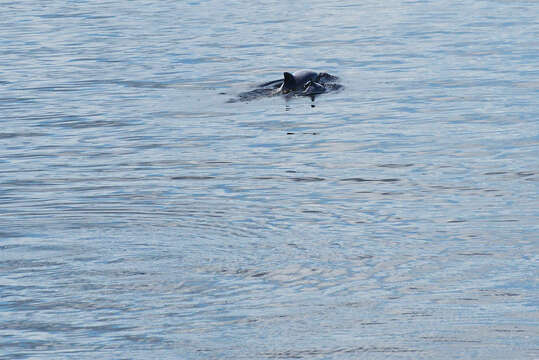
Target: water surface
(142,215)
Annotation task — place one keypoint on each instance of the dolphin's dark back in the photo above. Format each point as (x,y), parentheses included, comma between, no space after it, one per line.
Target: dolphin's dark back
(298,79)
(303,76)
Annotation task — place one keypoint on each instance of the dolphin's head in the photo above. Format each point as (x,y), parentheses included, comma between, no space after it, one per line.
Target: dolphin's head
(289,83)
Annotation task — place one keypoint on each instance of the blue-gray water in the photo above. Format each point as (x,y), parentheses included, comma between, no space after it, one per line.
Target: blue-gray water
(142,216)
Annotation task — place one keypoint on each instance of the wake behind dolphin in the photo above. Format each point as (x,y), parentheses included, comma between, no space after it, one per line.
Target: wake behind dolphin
(300,83)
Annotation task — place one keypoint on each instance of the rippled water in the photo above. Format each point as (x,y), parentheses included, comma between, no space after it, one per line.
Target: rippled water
(142,215)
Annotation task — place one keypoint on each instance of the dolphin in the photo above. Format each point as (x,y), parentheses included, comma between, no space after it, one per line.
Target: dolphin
(300,83)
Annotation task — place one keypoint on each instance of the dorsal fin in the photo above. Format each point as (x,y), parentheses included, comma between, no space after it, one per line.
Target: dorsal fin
(289,81)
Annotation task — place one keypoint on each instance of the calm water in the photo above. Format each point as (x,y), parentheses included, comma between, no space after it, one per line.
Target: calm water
(142,216)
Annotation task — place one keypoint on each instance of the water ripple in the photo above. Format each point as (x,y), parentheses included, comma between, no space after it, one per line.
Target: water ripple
(141,215)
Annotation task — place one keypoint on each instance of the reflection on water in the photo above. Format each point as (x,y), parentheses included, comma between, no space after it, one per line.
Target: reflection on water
(141,215)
